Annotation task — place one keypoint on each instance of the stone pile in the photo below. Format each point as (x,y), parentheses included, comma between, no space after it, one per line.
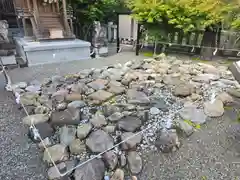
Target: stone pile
(83,114)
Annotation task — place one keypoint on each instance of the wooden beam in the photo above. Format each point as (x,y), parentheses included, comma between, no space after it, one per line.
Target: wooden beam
(138,39)
(58,8)
(64,4)
(29,5)
(24,26)
(118,40)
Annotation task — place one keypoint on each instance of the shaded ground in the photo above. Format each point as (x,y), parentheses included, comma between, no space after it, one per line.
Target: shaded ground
(211,153)
(19,158)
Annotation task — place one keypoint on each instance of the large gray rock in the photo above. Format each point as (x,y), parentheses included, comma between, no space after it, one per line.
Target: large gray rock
(100,96)
(35,119)
(129,77)
(76,105)
(225,98)
(134,162)
(209,69)
(80,88)
(160,103)
(109,129)
(172,79)
(77,147)
(183,90)
(118,175)
(83,130)
(21,85)
(41,110)
(59,96)
(29,98)
(115,117)
(99,141)
(206,78)
(167,141)
(193,114)
(73,97)
(4,31)
(137,97)
(57,152)
(113,74)
(115,87)
(214,109)
(98,84)
(154,111)
(44,129)
(234,92)
(111,159)
(67,134)
(109,109)
(45,143)
(65,117)
(93,170)
(130,143)
(129,123)
(61,106)
(33,88)
(98,120)
(53,173)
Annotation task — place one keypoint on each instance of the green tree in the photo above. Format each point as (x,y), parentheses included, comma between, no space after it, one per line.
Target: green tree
(88,11)
(188,15)
(97,10)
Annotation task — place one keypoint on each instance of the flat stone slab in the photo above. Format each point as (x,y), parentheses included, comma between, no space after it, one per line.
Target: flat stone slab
(100,96)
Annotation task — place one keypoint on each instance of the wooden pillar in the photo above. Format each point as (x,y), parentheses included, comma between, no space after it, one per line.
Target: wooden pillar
(58,8)
(138,39)
(24,26)
(64,4)
(118,40)
(35,5)
(29,5)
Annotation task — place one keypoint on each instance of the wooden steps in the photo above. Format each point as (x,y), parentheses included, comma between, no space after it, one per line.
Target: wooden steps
(50,21)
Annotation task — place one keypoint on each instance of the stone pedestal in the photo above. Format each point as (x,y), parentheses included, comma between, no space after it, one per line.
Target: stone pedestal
(52,51)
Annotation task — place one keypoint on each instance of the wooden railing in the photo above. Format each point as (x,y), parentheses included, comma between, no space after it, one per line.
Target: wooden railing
(228,43)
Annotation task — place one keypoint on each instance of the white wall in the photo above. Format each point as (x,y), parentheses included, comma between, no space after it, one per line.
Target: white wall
(125,27)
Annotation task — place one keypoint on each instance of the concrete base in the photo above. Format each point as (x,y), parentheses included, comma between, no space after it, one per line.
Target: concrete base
(8,60)
(53,51)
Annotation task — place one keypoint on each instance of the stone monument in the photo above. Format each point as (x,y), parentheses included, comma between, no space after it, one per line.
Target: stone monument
(7,50)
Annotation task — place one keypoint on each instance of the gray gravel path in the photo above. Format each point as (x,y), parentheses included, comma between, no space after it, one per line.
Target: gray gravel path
(212,153)
(42,71)
(19,158)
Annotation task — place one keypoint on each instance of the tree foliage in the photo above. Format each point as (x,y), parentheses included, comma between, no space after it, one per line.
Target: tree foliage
(97,10)
(187,15)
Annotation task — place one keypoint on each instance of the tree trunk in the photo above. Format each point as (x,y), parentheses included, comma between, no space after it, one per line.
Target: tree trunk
(219,40)
(208,44)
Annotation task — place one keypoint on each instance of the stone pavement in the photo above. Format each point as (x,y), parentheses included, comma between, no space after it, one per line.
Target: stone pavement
(210,153)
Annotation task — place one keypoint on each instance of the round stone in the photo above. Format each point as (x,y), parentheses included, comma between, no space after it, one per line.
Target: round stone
(154,111)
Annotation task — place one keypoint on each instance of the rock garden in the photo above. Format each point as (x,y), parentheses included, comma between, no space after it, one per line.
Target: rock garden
(148,105)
